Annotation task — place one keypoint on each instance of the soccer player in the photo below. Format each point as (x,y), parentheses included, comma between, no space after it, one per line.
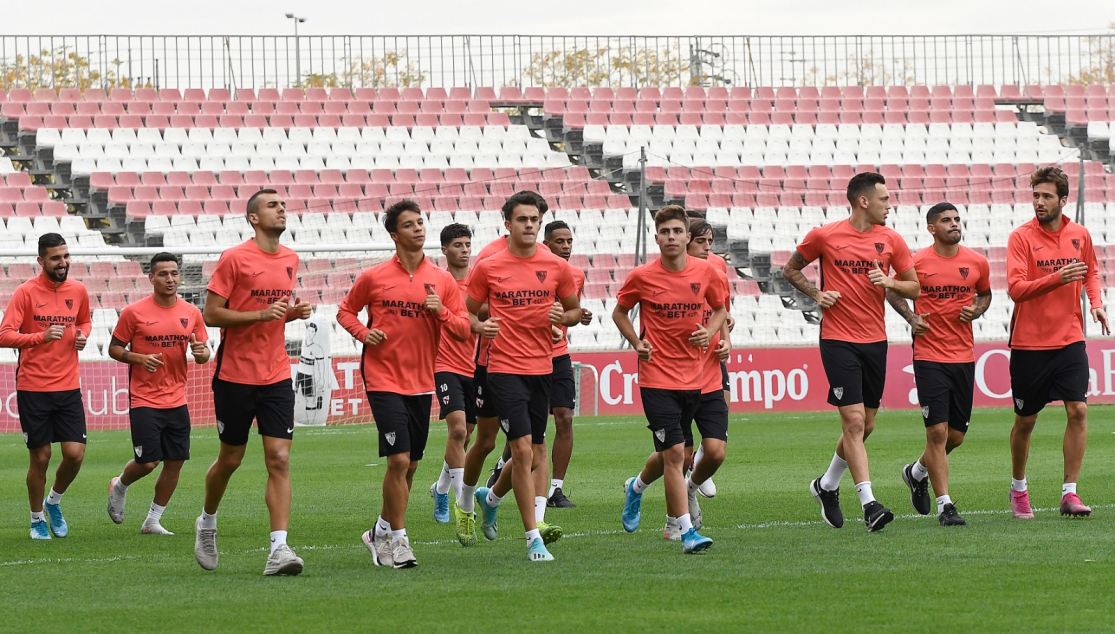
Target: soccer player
(48,321)
(520,286)
(672,293)
(559,239)
(955,291)
(250,298)
(1049,260)
(406,319)
(453,372)
(856,255)
(153,336)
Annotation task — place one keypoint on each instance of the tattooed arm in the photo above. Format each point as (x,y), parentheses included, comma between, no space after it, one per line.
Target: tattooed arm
(919,323)
(968,314)
(792,273)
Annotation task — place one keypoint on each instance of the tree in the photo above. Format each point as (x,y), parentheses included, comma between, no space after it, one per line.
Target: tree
(393,70)
(1102,60)
(604,65)
(59,68)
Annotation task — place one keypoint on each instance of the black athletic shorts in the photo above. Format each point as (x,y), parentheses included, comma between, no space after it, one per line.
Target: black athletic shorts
(711,418)
(523,404)
(403,423)
(456,393)
(238,404)
(160,434)
(945,393)
(564,389)
(725,380)
(485,404)
(1039,377)
(667,413)
(50,417)
(856,372)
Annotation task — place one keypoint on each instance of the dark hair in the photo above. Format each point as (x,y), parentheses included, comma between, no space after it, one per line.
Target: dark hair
(453,231)
(671,212)
(1051,174)
(49,241)
(937,210)
(698,227)
(863,183)
(253,201)
(528,198)
(162,257)
(391,216)
(555,225)
(692,213)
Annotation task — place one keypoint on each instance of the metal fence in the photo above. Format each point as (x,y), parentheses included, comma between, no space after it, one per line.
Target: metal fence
(498,60)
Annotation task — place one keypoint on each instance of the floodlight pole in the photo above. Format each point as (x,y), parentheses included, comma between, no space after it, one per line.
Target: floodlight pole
(297,48)
(641,236)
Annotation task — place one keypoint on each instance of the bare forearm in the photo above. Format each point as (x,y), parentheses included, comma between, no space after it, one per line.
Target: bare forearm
(983,302)
(626,328)
(909,289)
(220,317)
(798,280)
(898,303)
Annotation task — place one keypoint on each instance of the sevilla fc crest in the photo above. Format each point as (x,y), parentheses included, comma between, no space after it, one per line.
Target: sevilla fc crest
(696,288)
(290,272)
(879,247)
(390,438)
(69,303)
(660,434)
(838,392)
(964,272)
(1076,243)
(139,451)
(185,322)
(925,411)
(541,275)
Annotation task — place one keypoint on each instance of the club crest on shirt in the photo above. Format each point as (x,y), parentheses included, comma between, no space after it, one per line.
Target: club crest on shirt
(390,438)
(184,321)
(541,275)
(879,247)
(964,272)
(290,272)
(69,303)
(695,287)
(838,392)
(1076,243)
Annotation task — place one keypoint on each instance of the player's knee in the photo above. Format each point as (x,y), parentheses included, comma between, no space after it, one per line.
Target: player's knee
(937,434)
(40,459)
(672,457)
(457,434)
(1077,413)
(714,451)
(1025,424)
(73,456)
(147,467)
(277,460)
(955,440)
(853,423)
(399,463)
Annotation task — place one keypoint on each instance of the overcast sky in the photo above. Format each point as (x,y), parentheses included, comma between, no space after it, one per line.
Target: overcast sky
(559,17)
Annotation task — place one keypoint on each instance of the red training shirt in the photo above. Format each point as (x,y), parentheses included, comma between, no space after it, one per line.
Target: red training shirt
(35,306)
(562,347)
(147,328)
(454,355)
(495,246)
(948,285)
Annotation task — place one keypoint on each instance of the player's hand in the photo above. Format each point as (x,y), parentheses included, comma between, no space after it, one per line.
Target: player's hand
(879,278)
(699,337)
(54,333)
(731,323)
(557,334)
(433,302)
(968,314)
(490,328)
(274,311)
(724,350)
(302,308)
(557,313)
(374,337)
(643,349)
(151,362)
(1099,315)
(920,324)
(1073,272)
(827,299)
(80,340)
(197,348)
(586,316)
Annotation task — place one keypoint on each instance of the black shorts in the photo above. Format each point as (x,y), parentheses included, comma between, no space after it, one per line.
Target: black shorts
(667,412)
(237,405)
(456,393)
(725,380)
(563,392)
(485,404)
(160,434)
(1039,377)
(711,418)
(50,417)
(522,402)
(403,423)
(945,393)
(856,372)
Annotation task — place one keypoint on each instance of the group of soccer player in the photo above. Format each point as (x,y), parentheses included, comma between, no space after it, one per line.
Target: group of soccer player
(491,343)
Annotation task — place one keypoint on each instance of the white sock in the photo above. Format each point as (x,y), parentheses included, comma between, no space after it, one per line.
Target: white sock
(685,523)
(831,480)
(492,499)
(54,497)
(539,509)
(208,521)
(467,497)
(638,485)
(554,484)
(671,520)
(383,527)
(941,502)
(38,516)
(156,512)
(1068,487)
(455,482)
(863,490)
(123,488)
(500,463)
(278,538)
(700,453)
(691,485)
(532,535)
(1018,485)
(398,535)
(442,486)
(919,471)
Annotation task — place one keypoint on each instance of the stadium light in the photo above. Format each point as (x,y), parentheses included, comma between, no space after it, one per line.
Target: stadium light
(297,47)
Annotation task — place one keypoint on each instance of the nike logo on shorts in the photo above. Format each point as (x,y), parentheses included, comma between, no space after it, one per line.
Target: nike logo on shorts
(290,431)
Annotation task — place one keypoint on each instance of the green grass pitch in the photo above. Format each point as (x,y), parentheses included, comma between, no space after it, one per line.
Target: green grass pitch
(774,566)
